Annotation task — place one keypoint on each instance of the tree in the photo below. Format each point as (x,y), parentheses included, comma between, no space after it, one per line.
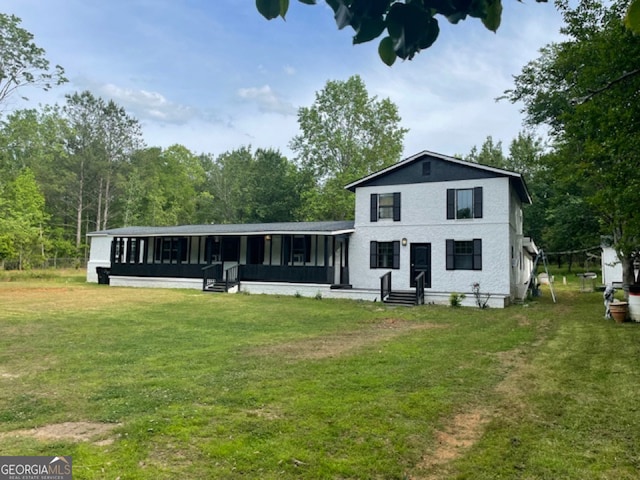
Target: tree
(247,187)
(410,25)
(275,188)
(490,154)
(161,187)
(37,139)
(345,135)
(22,218)
(595,123)
(22,62)
(103,138)
(527,157)
(226,182)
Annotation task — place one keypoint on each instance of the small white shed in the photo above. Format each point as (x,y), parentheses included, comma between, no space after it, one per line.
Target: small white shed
(611,267)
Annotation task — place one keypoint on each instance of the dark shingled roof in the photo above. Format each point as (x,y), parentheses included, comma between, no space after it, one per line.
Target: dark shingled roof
(517,180)
(311,228)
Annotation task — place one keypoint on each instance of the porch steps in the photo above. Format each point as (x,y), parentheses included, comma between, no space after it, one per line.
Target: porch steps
(216,288)
(401,298)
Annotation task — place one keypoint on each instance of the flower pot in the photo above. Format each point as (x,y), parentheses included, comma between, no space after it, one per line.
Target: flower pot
(619,311)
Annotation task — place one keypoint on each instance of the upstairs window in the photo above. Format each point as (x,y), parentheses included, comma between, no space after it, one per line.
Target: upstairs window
(464,203)
(385,206)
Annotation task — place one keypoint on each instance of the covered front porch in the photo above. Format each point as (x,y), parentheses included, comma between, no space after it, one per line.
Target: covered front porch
(309,253)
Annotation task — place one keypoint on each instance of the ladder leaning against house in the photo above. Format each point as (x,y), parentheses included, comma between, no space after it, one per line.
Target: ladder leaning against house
(531,283)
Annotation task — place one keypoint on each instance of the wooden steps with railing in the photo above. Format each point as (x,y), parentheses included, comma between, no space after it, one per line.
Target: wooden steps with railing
(228,279)
(406,299)
(402,298)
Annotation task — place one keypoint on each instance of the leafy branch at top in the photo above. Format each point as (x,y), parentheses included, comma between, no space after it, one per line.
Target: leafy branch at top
(410,25)
(632,18)
(22,62)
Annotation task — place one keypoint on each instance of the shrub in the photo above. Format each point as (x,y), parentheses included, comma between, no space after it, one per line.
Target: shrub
(455,299)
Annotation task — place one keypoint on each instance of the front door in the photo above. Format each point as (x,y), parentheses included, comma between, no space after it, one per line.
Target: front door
(420,262)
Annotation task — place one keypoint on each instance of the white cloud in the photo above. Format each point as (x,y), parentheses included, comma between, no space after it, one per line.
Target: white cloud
(267,100)
(167,67)
(146,105)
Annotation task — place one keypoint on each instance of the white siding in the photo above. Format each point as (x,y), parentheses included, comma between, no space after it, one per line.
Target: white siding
(99,256)
(611,267)
(424,220)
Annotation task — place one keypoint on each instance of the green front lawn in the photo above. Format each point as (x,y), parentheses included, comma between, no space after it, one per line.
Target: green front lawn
(166,384)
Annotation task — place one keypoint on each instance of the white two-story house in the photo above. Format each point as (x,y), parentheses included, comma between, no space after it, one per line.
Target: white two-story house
(431,223)
(459,222)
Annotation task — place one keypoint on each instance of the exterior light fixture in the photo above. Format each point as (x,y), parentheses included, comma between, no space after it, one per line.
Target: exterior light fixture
(404,242)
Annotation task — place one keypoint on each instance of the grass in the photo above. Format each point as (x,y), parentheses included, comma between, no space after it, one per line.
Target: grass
(181,384)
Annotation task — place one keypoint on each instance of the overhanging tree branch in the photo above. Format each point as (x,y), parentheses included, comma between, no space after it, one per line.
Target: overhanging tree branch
(607,86)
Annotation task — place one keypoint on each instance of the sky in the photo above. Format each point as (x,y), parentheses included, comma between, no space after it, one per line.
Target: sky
(214,75)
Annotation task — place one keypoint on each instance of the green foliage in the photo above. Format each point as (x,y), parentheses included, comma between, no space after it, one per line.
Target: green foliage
(410,26)
(248,187)
(489,154)
(22,62)
(161,187)
(455,299)
(38,140)
(345,135)
(585,88)
(632,18)
(22,219)
(103,138)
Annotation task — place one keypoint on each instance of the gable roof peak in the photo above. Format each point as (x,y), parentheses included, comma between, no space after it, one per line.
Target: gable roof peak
(515,177)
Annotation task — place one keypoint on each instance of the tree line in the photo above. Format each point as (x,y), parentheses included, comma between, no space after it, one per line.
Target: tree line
(82,166)
(66,170)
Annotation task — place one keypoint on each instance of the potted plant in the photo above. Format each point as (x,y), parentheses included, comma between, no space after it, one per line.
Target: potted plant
(619,310)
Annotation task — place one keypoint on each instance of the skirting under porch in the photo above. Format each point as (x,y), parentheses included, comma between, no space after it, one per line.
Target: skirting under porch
(310,290)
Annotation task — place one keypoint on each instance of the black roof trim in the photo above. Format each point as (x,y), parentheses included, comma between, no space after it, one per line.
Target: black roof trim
(517,179)
(310,228)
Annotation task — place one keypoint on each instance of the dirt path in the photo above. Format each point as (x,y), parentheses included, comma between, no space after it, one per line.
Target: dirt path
(97,433)
(465,429)
(334,345)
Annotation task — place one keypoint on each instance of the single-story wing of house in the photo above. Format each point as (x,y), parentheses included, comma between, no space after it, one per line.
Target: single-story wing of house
(425,227)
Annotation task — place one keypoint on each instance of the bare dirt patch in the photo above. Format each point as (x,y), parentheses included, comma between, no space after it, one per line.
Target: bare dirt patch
(94,432)
(452,442)
(337,344)
(465,429)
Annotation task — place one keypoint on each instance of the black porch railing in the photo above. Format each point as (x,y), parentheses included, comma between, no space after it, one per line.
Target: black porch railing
(385,286)
(420,282)
(214,279)
(286,273)
(231,277)
(210,274)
